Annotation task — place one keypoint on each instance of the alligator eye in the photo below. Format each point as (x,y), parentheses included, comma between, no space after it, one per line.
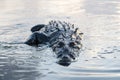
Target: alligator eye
(72,44)
(60,44)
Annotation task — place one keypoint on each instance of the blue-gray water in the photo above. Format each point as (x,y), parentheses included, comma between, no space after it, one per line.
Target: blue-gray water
(99,20)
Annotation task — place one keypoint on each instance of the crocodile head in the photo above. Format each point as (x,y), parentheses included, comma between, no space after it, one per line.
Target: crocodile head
(67,49)
(65,41)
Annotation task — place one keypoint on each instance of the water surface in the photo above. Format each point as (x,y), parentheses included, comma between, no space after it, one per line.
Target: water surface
(99,20)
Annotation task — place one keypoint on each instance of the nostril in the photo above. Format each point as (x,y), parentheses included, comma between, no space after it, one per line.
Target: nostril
(65,57)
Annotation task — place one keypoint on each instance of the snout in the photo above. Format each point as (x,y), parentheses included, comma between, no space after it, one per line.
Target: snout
(64,61)
(65,57)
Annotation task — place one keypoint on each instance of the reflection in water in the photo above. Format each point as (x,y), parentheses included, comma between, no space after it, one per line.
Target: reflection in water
(101,7)
(12,65)
(21,62)
(27,10)
(98,19)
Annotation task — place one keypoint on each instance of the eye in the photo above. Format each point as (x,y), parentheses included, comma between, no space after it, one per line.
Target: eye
(72,44)
(78,42)
(60,44)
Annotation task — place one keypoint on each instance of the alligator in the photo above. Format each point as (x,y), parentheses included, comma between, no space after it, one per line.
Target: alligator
(62,37)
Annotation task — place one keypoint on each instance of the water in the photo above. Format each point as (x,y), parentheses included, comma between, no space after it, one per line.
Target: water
(99,20)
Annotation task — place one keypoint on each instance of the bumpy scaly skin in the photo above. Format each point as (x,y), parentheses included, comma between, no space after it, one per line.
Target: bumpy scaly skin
(62,37)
